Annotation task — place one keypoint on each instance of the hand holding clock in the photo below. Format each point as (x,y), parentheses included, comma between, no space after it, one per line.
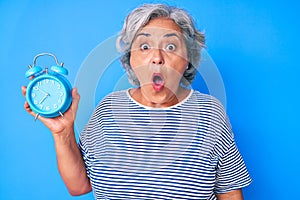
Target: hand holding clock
(48,94)
(51,99)
(58,124)
(69,160)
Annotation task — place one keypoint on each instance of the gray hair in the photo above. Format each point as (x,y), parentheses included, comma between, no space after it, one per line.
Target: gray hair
(140,16)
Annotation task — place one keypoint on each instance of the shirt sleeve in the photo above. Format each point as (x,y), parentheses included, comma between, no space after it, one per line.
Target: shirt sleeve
(85,156)
(86,139)
(231,173)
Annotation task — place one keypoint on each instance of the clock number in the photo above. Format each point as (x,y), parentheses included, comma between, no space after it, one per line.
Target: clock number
(39,83)
(55,106)
(36,88)
(35,102)
(33,95)
(47,108)
(61,94)
(58,86)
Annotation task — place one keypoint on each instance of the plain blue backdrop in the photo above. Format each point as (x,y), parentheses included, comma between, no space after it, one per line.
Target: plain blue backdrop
(254,44)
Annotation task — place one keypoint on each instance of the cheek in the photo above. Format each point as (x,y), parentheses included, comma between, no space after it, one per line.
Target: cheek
(137,59)
(180,61)
(136,64)
(175,73)
(140,68)
(179,66)
(132,60)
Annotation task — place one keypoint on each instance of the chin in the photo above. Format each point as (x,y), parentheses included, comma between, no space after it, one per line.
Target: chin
(163,96)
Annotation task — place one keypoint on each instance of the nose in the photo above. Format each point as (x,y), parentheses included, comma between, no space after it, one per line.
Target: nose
(157,57)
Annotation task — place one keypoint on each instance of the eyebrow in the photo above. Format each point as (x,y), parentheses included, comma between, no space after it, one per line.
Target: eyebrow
(143,34)
(166,35)
(171,34)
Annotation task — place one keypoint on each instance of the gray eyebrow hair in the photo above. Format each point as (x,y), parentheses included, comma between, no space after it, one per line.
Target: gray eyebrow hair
(143,34)
(171,34)
(166,35)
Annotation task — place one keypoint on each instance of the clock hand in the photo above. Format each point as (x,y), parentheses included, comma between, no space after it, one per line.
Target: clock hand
(43,91)
(43,99)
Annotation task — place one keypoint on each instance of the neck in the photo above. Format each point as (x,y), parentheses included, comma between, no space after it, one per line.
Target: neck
(169,100)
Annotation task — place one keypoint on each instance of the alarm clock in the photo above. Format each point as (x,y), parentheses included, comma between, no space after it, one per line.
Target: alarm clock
(48,92)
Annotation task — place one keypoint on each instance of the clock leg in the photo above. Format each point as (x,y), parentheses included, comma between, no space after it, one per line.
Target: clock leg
(36,116)
(61,114)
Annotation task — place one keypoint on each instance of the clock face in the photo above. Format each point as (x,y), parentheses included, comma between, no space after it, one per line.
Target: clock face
(47,95)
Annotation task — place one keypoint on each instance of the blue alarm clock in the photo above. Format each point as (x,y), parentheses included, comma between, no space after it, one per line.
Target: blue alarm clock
(49,92)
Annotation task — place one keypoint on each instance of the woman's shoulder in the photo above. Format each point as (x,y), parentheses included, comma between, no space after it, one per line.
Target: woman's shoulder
(208,102)
(115,96)
(206,98)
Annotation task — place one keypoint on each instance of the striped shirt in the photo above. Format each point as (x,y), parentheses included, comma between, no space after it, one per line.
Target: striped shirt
(186,151)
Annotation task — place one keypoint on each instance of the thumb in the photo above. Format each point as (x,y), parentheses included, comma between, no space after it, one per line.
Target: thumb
(75,100)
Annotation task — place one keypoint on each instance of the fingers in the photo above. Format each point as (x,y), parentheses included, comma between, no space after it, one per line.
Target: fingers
(24,90)
(26,105)
(27,108)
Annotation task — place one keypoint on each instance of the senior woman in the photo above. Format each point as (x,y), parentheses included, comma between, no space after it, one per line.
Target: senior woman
(160,139)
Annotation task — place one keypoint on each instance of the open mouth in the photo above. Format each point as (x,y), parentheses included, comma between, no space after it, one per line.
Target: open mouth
(157,82)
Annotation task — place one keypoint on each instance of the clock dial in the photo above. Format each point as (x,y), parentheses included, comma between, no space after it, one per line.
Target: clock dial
(47,95)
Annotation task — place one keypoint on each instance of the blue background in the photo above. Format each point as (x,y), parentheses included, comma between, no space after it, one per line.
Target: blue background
(255,45)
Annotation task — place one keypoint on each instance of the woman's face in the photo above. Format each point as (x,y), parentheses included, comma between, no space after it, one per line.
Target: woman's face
(159,58)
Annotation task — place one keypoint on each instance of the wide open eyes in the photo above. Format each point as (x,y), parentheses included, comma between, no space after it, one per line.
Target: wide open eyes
(145,47)
(169,47)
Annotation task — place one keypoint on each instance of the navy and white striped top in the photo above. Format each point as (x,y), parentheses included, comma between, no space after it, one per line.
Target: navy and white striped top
(186,151)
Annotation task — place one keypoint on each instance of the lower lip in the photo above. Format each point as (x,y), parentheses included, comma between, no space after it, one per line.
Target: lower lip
(158,88)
